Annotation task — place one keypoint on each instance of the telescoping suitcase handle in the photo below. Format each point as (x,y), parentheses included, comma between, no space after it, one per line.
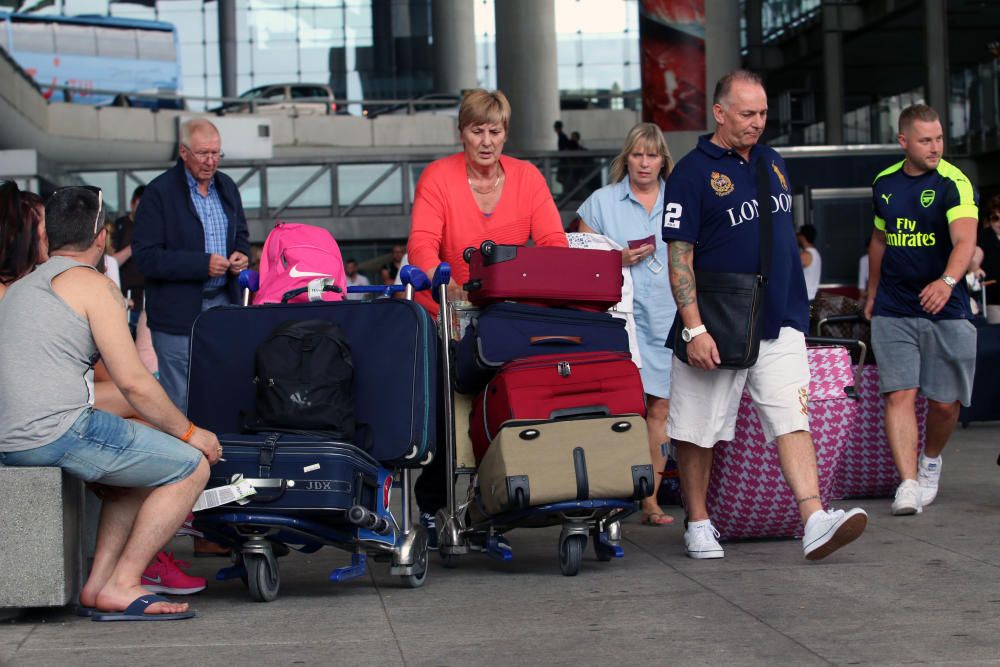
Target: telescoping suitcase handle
(851,391)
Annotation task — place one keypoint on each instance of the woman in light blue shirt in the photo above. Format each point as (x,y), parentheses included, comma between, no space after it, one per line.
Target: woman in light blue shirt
(629,211)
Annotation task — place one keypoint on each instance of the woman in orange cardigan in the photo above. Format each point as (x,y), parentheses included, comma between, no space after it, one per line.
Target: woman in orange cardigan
(461,201)
(479,194)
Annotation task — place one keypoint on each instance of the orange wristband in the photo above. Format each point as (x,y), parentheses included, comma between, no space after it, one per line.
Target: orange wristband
(188,433)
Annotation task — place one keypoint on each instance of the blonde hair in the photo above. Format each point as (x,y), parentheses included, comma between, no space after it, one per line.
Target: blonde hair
(481,106)
(648,135)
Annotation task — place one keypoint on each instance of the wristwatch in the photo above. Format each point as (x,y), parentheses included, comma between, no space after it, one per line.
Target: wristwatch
(687,335)
(949,281)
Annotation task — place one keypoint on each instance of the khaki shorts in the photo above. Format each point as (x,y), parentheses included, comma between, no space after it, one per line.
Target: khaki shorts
(704,404)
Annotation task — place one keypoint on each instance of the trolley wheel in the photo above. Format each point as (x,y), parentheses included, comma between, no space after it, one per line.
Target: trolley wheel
(487,248)
(571,554)
(419,576)
(604,554)
(262,577)
(467,254)
(450,561)
(238,561)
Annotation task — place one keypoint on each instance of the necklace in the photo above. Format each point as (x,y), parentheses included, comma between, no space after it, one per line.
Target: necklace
(486,192)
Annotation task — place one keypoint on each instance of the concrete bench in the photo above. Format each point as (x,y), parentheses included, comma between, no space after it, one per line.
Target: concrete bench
(41,530)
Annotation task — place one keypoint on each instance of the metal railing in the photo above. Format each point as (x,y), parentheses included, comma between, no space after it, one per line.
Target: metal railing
(355,198)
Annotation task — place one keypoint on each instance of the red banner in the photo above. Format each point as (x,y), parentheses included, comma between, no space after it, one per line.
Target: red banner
(672,46)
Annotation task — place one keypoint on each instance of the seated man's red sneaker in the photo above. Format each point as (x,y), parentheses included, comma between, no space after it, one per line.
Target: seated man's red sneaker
(165,576)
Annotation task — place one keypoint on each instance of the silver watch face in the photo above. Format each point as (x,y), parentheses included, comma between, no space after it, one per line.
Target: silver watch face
(686,335)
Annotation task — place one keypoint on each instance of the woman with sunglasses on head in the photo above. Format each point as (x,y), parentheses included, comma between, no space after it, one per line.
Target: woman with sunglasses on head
(989,243)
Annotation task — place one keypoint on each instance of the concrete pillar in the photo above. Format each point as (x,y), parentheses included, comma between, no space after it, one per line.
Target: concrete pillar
(526,71)
(454,31)
(227,47)
(755,35)
(722,46)
(936,31)
(833,73)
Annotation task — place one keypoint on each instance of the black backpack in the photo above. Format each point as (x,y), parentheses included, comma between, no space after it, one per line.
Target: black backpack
(305,380)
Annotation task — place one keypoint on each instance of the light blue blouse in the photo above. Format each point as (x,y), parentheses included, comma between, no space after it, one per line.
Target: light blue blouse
(615,212)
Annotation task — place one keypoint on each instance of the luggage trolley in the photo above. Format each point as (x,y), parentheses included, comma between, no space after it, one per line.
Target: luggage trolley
(261,531)
(466,528)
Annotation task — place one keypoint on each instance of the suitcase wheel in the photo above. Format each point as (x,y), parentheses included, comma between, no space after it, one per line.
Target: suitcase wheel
(571,553)
(262,576)
(467,254)
(487,248)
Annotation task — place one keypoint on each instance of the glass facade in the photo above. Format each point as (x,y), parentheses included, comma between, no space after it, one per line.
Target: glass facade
(372,49)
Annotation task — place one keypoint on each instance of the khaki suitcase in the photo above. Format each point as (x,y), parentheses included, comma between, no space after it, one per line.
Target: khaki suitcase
(532,463)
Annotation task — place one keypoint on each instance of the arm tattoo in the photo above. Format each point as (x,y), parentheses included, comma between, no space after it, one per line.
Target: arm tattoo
(681,275)
(116,294)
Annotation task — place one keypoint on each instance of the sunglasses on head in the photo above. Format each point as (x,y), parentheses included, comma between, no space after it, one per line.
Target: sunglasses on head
(100,202)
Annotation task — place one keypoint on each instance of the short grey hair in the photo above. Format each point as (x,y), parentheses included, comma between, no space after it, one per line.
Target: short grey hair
(195,126)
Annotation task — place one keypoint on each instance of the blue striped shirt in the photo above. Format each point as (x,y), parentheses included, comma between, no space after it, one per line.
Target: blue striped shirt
(213,219)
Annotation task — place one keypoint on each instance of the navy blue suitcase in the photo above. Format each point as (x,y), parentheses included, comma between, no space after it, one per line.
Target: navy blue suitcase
(396,371)
(506,331)
(306,477)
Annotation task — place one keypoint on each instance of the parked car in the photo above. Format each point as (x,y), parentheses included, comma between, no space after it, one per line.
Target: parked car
(446,104)
(298,99)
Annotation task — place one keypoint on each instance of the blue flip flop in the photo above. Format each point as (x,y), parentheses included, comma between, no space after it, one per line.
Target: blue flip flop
(85,611)
(137,611)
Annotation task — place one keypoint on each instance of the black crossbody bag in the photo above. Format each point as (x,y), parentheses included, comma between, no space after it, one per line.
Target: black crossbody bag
(730,304)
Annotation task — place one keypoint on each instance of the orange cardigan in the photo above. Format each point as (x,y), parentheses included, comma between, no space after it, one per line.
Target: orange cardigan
(446,219)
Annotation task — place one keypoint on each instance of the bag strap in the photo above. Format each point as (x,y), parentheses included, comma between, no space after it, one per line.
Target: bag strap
(766,225)
(267,455)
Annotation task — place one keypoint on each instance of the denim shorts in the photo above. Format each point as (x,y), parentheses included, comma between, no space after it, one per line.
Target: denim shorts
(101,447)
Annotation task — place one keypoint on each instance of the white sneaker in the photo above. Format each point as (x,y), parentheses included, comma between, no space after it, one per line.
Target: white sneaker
(702,540)
(928,476)
(828,530)
(907,499)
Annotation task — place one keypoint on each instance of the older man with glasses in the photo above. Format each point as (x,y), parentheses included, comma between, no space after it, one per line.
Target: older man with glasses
(190,242)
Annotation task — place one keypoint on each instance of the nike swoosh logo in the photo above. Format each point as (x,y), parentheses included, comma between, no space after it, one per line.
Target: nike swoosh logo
(152,580)
(295,273)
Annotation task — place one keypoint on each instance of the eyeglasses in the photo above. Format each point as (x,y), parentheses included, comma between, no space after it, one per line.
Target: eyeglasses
(204,156)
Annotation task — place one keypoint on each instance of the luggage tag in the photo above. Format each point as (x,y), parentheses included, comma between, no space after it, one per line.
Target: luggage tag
(652,262)
(236,491)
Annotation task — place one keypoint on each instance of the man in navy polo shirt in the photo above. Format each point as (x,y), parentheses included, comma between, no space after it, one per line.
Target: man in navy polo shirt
(925,233)
(711,223)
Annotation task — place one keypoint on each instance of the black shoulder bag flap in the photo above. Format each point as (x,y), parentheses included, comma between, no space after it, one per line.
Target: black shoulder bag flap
(730,304)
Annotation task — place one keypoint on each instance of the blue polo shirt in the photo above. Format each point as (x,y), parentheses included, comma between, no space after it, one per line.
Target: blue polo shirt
(711,202)
(915,213)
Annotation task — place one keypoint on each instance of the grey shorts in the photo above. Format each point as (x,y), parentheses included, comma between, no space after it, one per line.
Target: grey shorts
(938,357)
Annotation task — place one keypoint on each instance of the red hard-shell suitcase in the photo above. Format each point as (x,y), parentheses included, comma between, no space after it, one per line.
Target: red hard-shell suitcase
(556,386)
(545,276)
(747,493)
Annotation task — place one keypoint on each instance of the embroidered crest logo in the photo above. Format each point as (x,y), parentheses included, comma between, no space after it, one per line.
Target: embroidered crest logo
(781,177)
(926,198)
(721,184)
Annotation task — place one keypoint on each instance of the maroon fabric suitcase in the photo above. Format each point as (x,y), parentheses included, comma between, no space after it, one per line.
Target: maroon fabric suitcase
(544,276)
(556,386)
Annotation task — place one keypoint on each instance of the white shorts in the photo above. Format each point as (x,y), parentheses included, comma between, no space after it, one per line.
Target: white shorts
(704,404)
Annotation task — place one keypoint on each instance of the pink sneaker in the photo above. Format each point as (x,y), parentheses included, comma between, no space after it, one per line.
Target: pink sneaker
(187,528)
(165,576)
